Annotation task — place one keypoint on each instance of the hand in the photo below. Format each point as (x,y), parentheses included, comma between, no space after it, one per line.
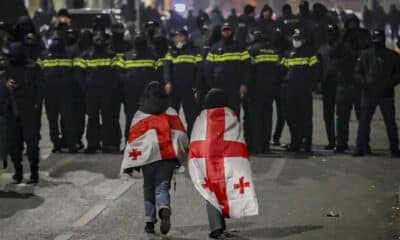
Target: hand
(168,88)
(243,90)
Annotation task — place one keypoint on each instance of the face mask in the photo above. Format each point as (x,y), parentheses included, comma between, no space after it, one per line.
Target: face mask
(297,43)
(179,45)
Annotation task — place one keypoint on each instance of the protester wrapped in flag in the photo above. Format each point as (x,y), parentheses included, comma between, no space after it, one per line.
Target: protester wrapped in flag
(157,141)
(219,165)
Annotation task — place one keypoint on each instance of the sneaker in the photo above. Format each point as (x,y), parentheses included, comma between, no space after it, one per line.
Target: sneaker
(149,228)
(339,149)
(276,143)
(330,147)
(216,234)
(90,151)
(165,216)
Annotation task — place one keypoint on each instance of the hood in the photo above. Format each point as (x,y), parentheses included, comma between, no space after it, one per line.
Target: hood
(154,99)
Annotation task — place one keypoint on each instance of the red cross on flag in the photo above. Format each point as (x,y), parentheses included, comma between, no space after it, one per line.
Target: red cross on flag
(153,138)
(219,165)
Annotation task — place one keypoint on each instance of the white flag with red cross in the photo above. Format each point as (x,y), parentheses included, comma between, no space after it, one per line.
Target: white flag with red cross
(153,138)
(219,164)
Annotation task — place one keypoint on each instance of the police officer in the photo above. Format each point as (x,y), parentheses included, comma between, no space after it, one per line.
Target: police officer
(301,68)
(227,67)
(377,73)
(329,83)
(182,70)
(99,83)
(58,87)
(23,80)
(264,87)
(138,68)
(119,46)
(353,41)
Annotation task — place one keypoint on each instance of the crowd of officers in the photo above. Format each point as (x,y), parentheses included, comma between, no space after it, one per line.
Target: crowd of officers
(84,80)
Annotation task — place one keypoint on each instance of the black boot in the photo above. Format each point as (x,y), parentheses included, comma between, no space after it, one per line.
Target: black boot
(358,153)
(395,151)
(165,216)
(216,234)
(149,228)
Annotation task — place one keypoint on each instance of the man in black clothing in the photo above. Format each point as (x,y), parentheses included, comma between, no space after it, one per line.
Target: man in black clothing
(329,83)
(377,73)
(182,72)
(23,80)
(264,87)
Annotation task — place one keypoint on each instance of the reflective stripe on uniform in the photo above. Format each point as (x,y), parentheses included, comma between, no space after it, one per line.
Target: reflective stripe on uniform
(184,58)
(47,63)
(225,57)
(139,63)
(91,63)
(160,63)
(265,58)
(307,61)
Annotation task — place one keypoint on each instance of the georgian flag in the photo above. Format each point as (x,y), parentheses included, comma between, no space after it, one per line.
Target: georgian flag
(153,138)
(219,164)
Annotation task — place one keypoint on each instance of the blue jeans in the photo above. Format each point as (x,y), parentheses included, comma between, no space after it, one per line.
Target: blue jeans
(215,218)
(157,183)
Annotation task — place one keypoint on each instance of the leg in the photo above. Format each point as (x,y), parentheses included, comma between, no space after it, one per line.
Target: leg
(67,114)
(329,99)
(108,125)
(93,126)
(280,120)
(368,106)
(267,123)
(215,219)
(15,145)
(307,128)
(253,125)
(234,103)
(292,111)
(343,111)
(190,108)
(389,115)
(53,113)
(149,193)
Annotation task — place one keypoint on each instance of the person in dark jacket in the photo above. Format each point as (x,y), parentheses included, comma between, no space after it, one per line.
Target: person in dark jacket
(301,64)
(377,73)
(264,88)
(23,80)
(99,82)
(7,106)
(246,23)
(57,72)
(288,22)
(329,83)
(138,68)
(266,23)
(353,41)
(227,67)
(182,71)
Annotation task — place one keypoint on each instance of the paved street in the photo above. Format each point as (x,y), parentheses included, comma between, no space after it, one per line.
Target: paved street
(82,198)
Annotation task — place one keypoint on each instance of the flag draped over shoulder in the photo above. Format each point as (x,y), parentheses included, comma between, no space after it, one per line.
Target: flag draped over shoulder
(219,165)
(153,138)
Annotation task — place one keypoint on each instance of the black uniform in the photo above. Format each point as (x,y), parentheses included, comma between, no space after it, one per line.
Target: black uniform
(329,80)
(138,69)
(100,85)
(377,73)
(264,89)
(301,68)
(353,41)
(183,69)
(22,123)
(119,46)
(227,68)
(58,89)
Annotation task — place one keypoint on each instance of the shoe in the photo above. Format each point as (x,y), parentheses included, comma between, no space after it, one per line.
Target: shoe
(149,228)
(330,147)
(216,234)
(73,150)
(90,151)
(308,149)
(339,149)
(292,149)
(56,149)
(80,146)
(16,180)
(165,216)
(33,181)
(358,153)
(395,153)
(276,143)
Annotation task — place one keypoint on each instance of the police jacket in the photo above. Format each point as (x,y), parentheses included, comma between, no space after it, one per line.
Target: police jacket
(57,71)
(227,65)
(378,72)
(137,69)
(182,67)
(95,70)
(301,65)
(265,70)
